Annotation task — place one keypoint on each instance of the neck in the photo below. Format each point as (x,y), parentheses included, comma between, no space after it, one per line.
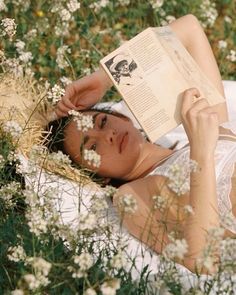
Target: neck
(151,155)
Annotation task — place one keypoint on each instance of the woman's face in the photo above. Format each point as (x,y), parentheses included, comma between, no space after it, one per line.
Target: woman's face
(114,138)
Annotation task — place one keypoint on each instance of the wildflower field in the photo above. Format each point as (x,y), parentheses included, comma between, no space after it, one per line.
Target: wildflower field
(48,44)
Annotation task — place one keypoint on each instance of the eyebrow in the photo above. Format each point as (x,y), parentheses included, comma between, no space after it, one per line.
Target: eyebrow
(86,138)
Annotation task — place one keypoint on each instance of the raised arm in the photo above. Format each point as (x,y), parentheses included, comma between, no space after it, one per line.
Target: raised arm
(84,93)
(191,34)
(201,125)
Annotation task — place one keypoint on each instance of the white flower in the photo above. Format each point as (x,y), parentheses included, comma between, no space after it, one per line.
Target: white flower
(128,204)
(65,81)
(232,55)
(20,45)
(31,34)
(90,291)
(98,204)
(31,281)
(109,191)
(222,44)
(2,6)
(36,221)
(55,94)
(97,6)
(87,221)
(160,203)
(156,4)
(60,158)
(13,128)
(110,287)
(92,158)
(228,19)
(83,122)
(41,266)
(16,253)
(84,260)
(118,261)
(7,191)
(17,292)
(65,15)
(208,13)
(188,210)
(9,27)
(73,5)
(176,249)
(2,161)
(60,59)
(124,2)
(179,177)
(26,57)
(170,18)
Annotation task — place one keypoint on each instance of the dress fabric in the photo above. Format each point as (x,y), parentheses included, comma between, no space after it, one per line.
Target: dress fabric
(225,159)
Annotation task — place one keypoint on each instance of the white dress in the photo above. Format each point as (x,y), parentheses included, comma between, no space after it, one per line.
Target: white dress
(225,158)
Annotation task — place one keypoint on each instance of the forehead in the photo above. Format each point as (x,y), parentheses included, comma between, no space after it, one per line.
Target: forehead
(75,138)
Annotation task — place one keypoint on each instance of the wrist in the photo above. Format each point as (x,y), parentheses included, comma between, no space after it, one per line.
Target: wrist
(201,155)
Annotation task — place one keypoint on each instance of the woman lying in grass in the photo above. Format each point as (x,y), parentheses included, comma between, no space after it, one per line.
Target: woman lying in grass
(163,202)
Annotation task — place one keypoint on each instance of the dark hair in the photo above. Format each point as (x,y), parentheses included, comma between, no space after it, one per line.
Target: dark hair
(56,137)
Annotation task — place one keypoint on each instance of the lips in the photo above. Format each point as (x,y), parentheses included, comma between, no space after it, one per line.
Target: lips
(122,141)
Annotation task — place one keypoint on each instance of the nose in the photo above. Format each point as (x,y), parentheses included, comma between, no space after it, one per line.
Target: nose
(110,135)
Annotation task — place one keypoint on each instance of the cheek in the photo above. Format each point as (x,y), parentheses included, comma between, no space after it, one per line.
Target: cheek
(119,165)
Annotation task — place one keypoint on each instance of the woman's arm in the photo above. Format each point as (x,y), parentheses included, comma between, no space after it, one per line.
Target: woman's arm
(191,34)
(201,125)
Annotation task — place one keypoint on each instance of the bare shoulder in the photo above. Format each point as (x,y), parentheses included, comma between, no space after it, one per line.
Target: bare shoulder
(143,188)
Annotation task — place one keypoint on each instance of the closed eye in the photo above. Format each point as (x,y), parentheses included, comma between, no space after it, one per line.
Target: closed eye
(103,121)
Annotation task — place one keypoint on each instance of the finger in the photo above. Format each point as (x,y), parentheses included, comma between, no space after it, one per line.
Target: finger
(63,108)
(67,102)
(188,99)
(60,114)
(198,105)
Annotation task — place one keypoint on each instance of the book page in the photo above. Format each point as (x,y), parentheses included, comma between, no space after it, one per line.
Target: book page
(187,66)
(149,82)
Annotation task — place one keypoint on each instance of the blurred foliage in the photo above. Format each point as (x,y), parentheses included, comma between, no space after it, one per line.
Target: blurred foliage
(98,27)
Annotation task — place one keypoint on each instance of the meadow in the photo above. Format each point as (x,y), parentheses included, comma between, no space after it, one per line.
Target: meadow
(53,43)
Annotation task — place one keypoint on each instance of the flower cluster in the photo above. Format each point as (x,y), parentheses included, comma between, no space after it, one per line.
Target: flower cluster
(118,261)
(55,94)
(177,248)
(179,177)
(8,191)
(8,27)
(160,203)
(232,55)
(13,128)
(16,253)
(61,54)
(92,158)
(24,56)
(83,122)
(208,13)
(60,158)
(156,4)
(127,204)
(98,5)
(110,287)
(41,270)
(84,261)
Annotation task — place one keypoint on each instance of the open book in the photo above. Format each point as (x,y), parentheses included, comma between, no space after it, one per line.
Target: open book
(151,71)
